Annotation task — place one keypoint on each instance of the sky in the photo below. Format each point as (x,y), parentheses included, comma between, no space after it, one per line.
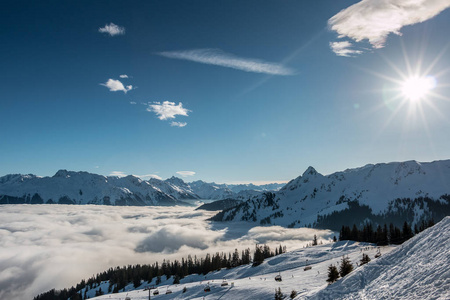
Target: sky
(225,91)
(36,255)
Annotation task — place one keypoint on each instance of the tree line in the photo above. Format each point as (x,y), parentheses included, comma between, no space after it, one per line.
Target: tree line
(120,277)
(382,235)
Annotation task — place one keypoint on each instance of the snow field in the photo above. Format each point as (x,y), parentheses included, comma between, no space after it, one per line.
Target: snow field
(247,282)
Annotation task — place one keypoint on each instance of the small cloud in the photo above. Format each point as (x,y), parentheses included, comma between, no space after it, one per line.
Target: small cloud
(178,124)
(186,173)
(343,49)
(219,58)
(118,174)
(123,76)
(374,20)
(115,85)
(112,29)
(168,110)
(132,102)
(97,167)
(148,176)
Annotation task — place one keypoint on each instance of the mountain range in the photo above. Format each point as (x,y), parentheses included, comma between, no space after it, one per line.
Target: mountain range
(69,187)
(382,193)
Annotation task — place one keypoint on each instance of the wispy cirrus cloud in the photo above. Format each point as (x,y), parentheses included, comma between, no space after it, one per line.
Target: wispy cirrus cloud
(115,85)
(168,110)
(344,49)
(186,173)
(374,20)
(112,29)
(219,58)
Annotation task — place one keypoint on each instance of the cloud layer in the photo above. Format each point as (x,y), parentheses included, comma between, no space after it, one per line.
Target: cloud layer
(219,58)
(115,85)
(112,29)
(168,110)
(374,20)
(55,246)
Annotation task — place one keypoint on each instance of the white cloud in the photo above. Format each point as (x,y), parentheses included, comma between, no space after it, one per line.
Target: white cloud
(178,124)
(132,102)
(115,85)
(374,20)
(343,49)
(186,173)
(118,174)
(123,76)
(38,244)
(168,110)
(112,29)
(148,176)
(219,58)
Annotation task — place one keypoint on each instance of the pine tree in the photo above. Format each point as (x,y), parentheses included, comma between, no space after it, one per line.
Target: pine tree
(293,294)
(176,279)
(315,240)
(278,294)
(345,267)
(333,274)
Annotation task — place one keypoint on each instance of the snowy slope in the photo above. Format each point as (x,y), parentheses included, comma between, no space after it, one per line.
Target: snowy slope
(419,269)
(371,191)
(258,282)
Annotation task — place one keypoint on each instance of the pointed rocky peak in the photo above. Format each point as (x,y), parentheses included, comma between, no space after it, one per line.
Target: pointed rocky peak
(310,172)
(62,173)
(176,181)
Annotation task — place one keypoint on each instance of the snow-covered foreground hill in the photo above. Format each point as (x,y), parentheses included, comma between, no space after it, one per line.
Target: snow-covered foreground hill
(418,269)
(247,282)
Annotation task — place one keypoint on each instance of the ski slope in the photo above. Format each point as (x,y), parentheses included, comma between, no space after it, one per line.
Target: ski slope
(247,282)
(418,269)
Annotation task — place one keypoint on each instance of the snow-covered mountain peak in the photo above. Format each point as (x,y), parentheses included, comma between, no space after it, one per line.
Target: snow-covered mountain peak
(310,172)
(16,178)
(62,173)
(176,181)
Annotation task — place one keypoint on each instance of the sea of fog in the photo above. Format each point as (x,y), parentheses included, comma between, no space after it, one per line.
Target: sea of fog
(55,246)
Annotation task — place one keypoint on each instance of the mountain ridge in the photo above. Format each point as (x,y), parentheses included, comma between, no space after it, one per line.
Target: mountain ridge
(380,193)
(81,187)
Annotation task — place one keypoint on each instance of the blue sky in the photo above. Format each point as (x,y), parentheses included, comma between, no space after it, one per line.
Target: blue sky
(225,91)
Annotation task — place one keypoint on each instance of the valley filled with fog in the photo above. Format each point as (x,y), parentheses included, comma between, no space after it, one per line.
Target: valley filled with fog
(56,246)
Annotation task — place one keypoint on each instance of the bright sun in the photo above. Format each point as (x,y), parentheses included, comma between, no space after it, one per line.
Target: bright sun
(417,88)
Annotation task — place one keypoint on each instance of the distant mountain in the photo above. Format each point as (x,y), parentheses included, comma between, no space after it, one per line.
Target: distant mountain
(69,187)
(219,205)
(217,191)
(392,192)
